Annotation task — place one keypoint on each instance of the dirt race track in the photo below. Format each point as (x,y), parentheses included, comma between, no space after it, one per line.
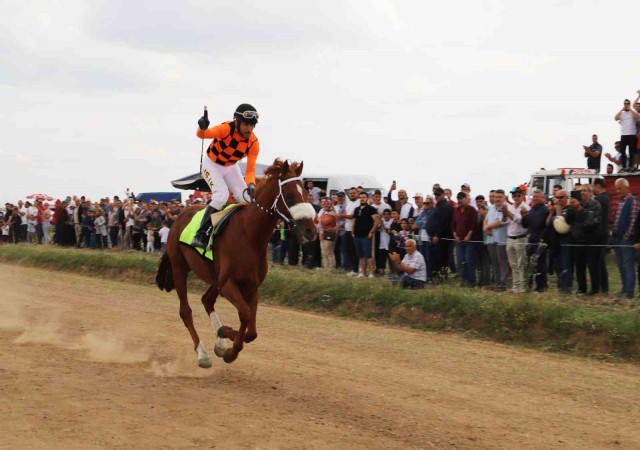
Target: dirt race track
(88,363)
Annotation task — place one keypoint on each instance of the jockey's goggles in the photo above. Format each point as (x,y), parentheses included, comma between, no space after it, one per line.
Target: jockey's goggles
(249,114)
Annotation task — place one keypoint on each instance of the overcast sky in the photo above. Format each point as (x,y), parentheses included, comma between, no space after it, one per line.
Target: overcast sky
(103,95)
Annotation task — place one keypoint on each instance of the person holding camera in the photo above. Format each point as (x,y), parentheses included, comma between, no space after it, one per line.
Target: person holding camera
(559,239)
(584,217)
(412,268)
(593,153)
(627,117)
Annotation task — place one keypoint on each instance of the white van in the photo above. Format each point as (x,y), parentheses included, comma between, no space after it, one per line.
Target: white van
(332,184)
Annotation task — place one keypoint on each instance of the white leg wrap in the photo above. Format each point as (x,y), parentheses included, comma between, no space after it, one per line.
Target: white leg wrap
(203,358)
(215,321)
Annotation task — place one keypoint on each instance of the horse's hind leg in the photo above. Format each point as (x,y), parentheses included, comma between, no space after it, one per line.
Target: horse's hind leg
(180,280)
(209,301)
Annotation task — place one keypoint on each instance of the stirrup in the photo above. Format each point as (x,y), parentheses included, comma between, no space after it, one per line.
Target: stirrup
(201,240)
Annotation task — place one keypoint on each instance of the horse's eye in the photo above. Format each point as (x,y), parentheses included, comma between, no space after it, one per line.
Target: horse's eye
(289,197)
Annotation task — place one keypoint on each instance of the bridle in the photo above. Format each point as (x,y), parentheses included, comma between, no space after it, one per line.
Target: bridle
(274,208)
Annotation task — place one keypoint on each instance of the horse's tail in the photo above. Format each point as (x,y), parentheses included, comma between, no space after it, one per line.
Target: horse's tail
(164,277)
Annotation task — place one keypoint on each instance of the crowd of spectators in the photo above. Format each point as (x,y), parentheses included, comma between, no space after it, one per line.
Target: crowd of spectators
(76,221)
(499,242)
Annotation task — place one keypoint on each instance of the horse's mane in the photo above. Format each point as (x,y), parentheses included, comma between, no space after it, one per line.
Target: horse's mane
(273,171)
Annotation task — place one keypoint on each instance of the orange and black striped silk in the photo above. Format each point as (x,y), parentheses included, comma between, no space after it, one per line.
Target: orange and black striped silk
(228,147)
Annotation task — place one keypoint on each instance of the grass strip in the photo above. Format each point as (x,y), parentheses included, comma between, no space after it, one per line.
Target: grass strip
(528,319)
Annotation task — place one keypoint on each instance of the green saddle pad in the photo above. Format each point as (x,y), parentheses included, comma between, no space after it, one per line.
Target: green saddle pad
(190,231)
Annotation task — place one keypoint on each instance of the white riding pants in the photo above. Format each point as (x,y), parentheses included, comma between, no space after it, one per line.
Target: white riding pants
(221,179)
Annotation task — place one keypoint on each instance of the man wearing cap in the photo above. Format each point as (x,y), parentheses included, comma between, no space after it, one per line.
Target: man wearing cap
(466,188)
(439,229)
(517,239)
(463,225)
(418,199)
(536,222)
(560,240)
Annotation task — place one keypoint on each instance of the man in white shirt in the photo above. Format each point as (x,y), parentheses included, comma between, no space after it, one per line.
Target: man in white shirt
(413,267)
(617,160)
(627,117)
(517,239)
(22,209)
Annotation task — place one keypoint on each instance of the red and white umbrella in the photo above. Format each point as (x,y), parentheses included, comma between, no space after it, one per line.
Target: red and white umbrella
(40,197)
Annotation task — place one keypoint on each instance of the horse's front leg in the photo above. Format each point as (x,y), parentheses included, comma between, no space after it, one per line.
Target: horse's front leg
(252,332)
(233,293)
(209,301)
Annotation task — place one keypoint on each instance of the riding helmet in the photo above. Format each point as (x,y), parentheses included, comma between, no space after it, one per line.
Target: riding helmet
(246,108)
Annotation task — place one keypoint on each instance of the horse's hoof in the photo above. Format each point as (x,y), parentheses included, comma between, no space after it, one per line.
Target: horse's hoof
(220,332)
(205,363)
(250,337)
(228,359)
(220,348)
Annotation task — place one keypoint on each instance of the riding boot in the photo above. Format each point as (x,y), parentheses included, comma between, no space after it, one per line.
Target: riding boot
(201,239)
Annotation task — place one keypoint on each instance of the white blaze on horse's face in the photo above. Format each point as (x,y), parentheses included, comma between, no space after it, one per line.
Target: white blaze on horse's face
(301,209)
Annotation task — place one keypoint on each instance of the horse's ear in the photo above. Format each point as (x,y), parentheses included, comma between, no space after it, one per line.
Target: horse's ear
(285,169)
(299,169)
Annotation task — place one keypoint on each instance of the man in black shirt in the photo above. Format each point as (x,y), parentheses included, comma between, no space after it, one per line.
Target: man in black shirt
(439,229)
(536,221)
(584,216)
(593,153)
(365,223)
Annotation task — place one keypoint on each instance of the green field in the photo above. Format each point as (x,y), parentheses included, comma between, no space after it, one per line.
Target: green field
(603,327)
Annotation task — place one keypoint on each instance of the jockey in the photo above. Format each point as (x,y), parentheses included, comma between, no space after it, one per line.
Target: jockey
(232,141)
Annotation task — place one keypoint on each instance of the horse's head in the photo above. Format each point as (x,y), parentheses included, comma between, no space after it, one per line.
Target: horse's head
(291,200)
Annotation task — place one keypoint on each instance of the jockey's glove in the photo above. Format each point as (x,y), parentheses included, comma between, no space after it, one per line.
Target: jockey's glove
(203,122)
(251,190)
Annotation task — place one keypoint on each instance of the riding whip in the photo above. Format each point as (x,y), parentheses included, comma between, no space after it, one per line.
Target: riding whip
(206,116)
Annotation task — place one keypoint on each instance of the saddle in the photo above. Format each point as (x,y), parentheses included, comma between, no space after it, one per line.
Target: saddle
(219,221)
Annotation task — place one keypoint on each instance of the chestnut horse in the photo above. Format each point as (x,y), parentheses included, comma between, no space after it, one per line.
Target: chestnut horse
(239,263)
